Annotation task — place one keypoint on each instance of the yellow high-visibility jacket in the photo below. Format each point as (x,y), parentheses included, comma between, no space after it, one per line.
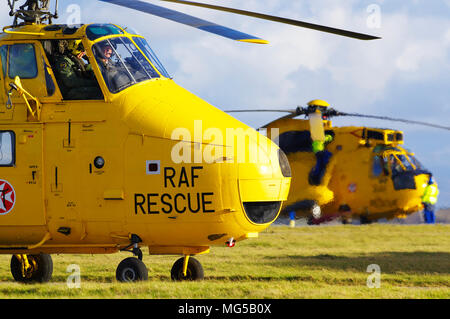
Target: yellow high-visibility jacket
(430,194)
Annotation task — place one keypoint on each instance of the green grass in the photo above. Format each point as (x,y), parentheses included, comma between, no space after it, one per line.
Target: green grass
(302,262)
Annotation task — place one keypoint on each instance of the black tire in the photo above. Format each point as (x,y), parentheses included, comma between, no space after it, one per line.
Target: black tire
(41,272)
(194,270)
(364,220)
(131,270)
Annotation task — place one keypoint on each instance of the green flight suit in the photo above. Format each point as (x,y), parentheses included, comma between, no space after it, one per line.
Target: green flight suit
(76,81)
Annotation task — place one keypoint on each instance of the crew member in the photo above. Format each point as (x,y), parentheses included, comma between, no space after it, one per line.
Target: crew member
(75,77)
(322,159)
(115,75)
(429,200)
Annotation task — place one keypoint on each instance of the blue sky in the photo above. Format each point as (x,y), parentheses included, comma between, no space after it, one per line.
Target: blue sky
(406,74)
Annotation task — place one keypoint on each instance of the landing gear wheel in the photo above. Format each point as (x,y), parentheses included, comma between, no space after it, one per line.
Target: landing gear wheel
(364,220)
(194,270)
(32,268)
(131,270)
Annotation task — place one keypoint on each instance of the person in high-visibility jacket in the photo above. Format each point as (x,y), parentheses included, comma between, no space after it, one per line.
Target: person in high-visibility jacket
(429,200)
(322,158)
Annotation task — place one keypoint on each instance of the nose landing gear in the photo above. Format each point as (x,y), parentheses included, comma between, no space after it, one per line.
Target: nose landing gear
(187,268)
(132,269)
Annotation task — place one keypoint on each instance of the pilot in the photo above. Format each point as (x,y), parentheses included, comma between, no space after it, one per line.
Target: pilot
(75,77)
(322,159)
(429,200)
(395,166)
(115,75)
(106,52)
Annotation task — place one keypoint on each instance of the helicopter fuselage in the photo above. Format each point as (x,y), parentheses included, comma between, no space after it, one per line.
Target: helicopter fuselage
(369,175)
(85,175)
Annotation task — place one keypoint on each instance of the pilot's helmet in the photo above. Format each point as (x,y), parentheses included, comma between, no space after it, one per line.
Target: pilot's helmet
(75,47)
(105,50)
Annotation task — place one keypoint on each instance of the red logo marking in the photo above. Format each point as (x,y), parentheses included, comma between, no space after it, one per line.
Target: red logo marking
(7,197)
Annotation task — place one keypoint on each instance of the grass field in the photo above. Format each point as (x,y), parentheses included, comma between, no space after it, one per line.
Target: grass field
(301,262)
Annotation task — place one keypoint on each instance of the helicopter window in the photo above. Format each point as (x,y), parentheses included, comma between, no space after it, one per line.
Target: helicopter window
(3,55)
(145,47)
(73,73)
(7,148)
(122,64)
(395,165)
(137,55)
(416,163)
(48,80)
(95,31)
(379,166)
(295,141)
(22,61)
(406,163)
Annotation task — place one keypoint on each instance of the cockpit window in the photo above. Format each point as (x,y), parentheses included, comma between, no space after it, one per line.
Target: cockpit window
(406,163)
(395,165)
(122,64)
(95,31)
(400,163)
(145,47)
(416,163)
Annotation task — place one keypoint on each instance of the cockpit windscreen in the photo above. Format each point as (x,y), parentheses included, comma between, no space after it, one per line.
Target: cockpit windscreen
(122,64)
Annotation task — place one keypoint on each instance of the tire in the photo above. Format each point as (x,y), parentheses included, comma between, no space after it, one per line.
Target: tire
(41,272)
(131,270)
(194,270)
(365,221)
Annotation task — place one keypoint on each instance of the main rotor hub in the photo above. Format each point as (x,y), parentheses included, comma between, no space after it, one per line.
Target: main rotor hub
(315,105)
(32,11)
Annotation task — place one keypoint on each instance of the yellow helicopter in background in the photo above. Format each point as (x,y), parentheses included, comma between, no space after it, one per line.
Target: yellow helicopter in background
(127,159)
(361,172)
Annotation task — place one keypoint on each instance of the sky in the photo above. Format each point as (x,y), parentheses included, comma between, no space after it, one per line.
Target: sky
(406,74)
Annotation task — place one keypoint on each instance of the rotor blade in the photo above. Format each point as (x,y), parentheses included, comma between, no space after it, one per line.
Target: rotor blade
(394,120)
(262,110)
(187,20)
(297,23)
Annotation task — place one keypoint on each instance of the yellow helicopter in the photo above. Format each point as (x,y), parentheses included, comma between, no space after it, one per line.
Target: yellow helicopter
(100,150)
(360,172)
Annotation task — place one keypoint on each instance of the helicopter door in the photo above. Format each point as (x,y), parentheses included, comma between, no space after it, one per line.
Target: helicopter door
(26,61)
(22,211)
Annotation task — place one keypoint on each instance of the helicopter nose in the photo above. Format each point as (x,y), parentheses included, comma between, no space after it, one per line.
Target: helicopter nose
(264,184)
